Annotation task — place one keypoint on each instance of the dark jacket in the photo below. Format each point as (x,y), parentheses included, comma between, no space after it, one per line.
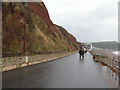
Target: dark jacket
(81,52)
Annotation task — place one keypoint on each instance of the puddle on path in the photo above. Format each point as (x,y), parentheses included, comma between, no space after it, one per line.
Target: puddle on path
(109,77)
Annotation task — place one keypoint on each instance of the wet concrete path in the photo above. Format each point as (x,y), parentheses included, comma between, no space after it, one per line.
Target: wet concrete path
(67,72)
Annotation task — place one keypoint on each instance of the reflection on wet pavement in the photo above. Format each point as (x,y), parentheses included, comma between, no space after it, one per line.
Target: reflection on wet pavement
(110,77)
(67,72)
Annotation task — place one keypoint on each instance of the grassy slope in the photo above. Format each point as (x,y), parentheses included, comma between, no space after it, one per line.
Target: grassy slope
(41,34)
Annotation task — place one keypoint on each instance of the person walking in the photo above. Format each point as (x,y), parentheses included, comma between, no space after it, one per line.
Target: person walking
(81,53)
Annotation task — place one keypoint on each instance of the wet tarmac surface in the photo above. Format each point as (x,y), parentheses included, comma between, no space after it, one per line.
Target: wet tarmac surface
(67,72)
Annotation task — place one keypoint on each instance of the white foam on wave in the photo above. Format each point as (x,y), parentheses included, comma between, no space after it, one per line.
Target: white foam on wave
(117,53)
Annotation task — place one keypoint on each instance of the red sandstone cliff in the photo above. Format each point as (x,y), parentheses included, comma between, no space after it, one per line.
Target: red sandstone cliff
(41,33)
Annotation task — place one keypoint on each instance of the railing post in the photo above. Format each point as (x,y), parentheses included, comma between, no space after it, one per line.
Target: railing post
(112,67)
(116,70)
(118,73)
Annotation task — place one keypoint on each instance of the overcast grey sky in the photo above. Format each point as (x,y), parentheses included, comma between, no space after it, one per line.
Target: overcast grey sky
(87,20)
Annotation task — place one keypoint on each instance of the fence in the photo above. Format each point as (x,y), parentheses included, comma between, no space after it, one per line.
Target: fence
(112,63)
(32,53)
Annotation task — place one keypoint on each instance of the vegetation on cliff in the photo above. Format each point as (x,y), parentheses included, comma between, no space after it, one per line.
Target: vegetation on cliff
(41,34)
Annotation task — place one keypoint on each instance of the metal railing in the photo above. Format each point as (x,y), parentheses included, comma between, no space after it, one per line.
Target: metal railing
(112,63)
(32,53)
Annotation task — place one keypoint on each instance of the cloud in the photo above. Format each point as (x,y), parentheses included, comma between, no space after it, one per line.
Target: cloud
(87,20)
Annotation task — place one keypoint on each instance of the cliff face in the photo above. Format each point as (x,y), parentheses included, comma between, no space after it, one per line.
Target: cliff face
(40,10)
(40,33)
(72,42)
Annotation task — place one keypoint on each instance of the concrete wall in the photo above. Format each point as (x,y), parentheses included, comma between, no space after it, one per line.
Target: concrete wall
(9,63)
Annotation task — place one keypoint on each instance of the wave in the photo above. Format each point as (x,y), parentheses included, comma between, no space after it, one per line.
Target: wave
(117,53)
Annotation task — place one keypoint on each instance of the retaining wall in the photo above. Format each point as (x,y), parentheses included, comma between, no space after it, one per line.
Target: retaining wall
(9,63)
